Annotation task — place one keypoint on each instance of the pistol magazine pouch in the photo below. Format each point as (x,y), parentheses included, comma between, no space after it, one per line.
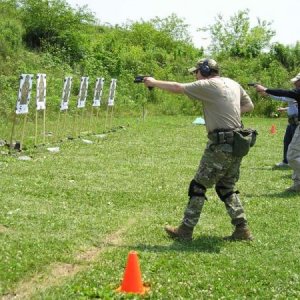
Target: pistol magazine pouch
(243,140)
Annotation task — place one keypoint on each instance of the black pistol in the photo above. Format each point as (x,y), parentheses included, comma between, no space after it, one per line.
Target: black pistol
(252,83)
(140,79)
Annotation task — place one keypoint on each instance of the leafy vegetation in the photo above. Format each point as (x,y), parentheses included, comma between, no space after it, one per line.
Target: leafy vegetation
(236,38)
(49,36)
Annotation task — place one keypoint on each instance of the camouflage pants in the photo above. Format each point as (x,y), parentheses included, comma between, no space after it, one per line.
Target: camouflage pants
(220,168)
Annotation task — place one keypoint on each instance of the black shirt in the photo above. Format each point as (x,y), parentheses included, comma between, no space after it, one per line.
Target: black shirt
(294,94)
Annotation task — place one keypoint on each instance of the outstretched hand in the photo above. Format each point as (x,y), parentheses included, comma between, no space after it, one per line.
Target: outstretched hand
(149,82)
(260,88)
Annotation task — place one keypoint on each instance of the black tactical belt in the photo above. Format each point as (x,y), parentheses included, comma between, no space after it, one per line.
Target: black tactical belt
(221,137)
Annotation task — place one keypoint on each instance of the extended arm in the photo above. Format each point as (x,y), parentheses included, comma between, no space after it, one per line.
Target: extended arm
(283,93)
(170,86)
(279,92)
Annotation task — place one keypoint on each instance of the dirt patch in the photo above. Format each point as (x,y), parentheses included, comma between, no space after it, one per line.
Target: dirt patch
(4,229)
(58,273)
(88,255)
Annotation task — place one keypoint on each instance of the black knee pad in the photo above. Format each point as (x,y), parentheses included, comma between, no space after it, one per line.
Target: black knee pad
(196,189)
(222,196)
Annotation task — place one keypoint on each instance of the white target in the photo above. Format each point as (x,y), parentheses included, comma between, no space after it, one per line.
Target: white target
(112,92)
(24,94)
(84,84)
(64,105)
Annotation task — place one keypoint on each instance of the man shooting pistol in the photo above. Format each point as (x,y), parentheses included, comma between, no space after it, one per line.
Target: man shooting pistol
(293,152)
(223,100)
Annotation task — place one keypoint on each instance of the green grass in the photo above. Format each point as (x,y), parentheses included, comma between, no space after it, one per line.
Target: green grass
(69,219)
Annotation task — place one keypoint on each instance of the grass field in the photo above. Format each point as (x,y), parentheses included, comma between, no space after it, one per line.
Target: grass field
(69,219)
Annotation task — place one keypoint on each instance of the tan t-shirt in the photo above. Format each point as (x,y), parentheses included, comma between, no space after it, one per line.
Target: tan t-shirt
(222,100)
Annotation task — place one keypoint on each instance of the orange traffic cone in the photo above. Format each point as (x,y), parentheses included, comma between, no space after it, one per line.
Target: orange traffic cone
(273,129)
(132,280)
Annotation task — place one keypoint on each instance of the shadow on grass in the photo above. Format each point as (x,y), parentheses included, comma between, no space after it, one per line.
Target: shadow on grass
(288,176)
(208,244)
(270,168)
(280,195)
(283,195)
(285,168)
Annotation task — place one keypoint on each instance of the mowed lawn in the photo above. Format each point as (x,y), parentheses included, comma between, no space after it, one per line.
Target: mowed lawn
(69,219)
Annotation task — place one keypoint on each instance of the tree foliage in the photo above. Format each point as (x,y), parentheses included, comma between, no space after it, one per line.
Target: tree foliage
(288,56)
(52,25)
(174,27)
(237,38)
(11,30)
(52,37)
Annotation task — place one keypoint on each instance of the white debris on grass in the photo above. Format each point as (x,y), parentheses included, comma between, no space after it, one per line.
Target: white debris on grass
(100,136)
(87,141)
(24,157)
(53,149)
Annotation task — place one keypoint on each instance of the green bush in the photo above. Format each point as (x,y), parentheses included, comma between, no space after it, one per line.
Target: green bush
(61,41)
